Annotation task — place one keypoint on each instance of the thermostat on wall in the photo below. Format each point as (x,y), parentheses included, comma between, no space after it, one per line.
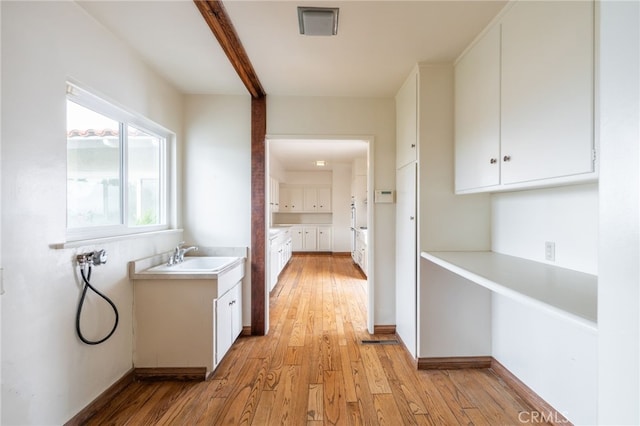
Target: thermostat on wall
(383,196)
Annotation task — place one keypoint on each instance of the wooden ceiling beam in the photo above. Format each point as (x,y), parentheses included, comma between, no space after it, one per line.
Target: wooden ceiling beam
(216,17)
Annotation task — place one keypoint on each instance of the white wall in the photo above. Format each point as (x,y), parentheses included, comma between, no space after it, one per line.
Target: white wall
(217,176)
(308,178)
(568,216)
(360,117)
(619,237)
(48,375)
(447,221)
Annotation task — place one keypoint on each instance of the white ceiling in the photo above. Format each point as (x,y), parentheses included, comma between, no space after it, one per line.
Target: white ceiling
(301,154)
(377,45)
(378,42)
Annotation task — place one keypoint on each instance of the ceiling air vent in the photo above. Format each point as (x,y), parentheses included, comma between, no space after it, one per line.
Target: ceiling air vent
(318,21)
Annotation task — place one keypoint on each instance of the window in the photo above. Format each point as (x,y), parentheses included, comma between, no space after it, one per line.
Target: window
(117,170)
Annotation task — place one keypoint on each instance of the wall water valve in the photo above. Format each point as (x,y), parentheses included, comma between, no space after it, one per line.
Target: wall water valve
(94,258)
(86,261)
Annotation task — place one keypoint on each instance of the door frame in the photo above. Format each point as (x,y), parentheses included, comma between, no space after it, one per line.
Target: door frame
(369,140)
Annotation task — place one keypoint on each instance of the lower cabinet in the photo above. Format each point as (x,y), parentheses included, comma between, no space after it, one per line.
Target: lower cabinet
(280,249)
(228,318)
(360,253)
(324,238)
(311,238)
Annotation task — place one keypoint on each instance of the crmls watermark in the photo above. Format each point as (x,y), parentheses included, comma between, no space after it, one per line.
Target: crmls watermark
(539,417)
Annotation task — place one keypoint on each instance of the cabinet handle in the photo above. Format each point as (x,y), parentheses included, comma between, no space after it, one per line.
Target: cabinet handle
(413,145)
(493,161)
(411,217)
(506,158)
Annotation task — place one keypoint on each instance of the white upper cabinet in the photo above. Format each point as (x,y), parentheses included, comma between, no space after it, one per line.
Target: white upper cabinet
(477,114)
(547,90)
(407,121)
(291,199)
(317,199)
(324,199)
(525,100)
(274,194)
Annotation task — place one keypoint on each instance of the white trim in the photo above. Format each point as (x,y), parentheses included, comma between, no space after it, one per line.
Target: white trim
(102,105)
(110,239)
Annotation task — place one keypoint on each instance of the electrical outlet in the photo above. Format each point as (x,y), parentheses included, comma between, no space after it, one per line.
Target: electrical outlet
(550,251)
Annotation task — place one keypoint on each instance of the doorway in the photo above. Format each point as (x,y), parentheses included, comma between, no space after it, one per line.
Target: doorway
(335,173)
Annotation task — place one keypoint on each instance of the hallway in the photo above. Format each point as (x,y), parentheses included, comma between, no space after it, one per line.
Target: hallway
(313,369)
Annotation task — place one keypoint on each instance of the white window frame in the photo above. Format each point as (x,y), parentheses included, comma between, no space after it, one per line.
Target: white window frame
(126,118)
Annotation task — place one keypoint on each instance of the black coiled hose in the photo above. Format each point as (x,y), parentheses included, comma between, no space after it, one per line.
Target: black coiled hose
(87,286)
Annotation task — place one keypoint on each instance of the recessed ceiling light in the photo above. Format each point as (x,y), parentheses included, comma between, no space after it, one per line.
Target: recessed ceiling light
(321,163)
(318,21)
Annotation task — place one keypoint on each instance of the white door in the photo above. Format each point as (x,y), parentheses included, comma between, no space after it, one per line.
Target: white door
(406,286)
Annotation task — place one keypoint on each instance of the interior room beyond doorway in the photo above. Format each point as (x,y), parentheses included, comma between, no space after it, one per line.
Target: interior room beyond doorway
(317,198)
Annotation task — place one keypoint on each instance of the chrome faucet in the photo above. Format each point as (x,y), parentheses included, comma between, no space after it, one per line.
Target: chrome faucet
(179,252)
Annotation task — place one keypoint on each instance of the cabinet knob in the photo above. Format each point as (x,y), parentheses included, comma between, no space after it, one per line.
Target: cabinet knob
(493,161)
(413,145)
(506,158)
(411,218)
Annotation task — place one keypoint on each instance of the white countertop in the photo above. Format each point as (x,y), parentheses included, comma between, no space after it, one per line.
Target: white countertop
(563,291)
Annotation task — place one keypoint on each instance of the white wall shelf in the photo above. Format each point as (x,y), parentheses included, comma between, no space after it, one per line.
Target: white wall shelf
(564,292)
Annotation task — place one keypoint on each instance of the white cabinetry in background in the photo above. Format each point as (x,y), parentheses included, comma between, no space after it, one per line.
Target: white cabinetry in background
(360,254)
(324,238)
(305,199)
(539,63)
(291,199)
(274,194)
(311,238)
(280,250)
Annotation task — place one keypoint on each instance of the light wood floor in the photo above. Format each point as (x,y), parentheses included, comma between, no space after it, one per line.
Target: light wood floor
(313,369)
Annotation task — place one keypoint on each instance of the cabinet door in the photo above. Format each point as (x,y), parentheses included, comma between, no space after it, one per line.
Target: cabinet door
(406,258)
(275,194)
(547,90)
(223,335)
(324,199)
(236,312)
(477,114)
(310,199)
(284,199)
(324,238)
(274,269)
(407,121)
(296,203)
(297,240)
(310,238)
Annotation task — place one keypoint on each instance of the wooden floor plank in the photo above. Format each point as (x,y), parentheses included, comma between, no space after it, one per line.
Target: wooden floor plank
(335,408)
(312,368)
